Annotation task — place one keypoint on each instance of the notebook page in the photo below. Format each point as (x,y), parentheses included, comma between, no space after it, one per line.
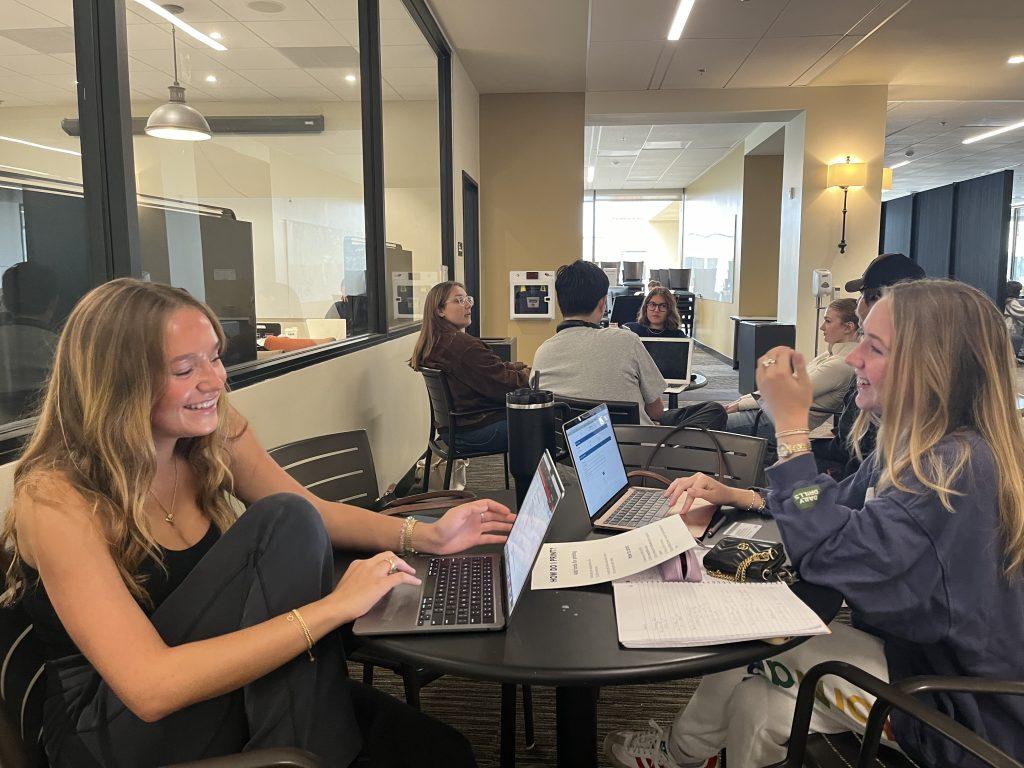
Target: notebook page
(682,614)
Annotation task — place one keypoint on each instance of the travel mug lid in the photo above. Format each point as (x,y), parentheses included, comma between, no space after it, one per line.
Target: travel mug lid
(530,398)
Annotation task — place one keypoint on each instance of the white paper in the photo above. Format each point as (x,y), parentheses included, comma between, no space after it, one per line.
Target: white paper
(578,563)
(743,530)
(685,614)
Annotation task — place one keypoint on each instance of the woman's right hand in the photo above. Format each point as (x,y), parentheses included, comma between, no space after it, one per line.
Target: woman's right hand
(732,407)
(366,581)
(700,486)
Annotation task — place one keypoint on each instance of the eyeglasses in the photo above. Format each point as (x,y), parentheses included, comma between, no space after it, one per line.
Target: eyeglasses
(657,307)
(463,301)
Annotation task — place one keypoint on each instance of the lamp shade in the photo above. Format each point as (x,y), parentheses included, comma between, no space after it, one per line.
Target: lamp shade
(847,174)
(178,121)
(887,178)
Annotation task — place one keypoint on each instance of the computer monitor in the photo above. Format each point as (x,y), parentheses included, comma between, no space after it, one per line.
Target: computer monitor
(672,356)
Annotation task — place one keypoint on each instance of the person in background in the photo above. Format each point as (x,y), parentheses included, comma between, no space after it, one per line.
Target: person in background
(1013,311)
(658,316)
(478,378)
(925,542)
(829,374)
(837,455)
(174,628)
(587,361)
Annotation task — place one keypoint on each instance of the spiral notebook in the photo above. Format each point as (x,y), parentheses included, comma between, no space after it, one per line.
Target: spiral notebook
(711,612)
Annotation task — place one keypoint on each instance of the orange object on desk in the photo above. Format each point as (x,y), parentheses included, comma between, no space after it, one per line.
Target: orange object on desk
(288,344)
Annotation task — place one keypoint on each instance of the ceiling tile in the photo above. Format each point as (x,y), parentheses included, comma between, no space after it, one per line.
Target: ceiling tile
(315,93)
(407,56)
(254,58)
(287,10)
(422,77)
(778,61)
(42,40)
(719,58)
(195,11)
(277,79)
(341,9)
(391,9)
(731,18)
(297,34)
(400,32)
(417,93)
(148,37)
(37,64)
(15,15)
(621,66)
(233,35)
(805,18)
(618,21)
(10,48)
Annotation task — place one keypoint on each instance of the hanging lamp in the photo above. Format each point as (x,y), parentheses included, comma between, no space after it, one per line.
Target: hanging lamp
(176,120)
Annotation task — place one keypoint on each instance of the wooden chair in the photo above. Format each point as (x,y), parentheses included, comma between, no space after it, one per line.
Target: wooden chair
(339,467)
(691,450)
(444,416)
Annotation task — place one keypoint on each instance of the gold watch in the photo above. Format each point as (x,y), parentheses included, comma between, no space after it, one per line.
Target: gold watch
(785,451)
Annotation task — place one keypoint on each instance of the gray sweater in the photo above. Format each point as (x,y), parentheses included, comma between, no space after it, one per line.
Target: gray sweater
(929,582)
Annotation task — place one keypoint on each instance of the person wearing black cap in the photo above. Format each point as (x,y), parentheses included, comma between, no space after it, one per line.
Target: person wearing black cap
(835,455)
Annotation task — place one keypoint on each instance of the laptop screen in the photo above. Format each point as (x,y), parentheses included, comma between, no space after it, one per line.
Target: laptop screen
(672,356)
(527,534)
(595,454)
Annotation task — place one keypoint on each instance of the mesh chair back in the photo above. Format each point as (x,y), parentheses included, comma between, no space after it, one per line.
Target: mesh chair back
(336,467)
(440,397)
(22,689)
(690,451)
(620,411)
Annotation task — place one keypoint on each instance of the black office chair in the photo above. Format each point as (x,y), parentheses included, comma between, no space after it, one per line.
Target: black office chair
(444,416)
(621,411)
(339,467)
(847,749)
(22,690)
(691,450)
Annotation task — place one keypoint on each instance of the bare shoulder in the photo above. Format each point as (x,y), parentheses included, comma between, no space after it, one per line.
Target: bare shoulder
(47,502)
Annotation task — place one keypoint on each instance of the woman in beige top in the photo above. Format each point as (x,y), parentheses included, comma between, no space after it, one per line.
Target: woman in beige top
(829,374)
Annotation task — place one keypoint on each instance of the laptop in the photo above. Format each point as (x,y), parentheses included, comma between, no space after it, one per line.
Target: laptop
(612,502)
(471,592)
(672,356)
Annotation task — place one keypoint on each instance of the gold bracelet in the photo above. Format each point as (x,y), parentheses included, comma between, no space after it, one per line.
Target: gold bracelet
(406,542)
(305,631)
(788,432)
(762,503)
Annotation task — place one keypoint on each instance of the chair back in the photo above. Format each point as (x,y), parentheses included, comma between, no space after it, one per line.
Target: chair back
(690,451)
(440,395)
(625,309)
(336,467)
(621,411)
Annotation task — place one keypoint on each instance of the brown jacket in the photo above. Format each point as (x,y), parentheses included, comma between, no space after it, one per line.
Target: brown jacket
(478,378)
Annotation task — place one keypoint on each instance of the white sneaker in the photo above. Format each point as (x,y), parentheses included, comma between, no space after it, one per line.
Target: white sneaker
(645,749)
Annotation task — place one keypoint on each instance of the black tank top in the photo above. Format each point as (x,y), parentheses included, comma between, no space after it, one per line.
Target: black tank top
(159,584)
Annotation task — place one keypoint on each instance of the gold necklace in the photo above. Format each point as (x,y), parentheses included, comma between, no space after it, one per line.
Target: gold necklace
(168,513)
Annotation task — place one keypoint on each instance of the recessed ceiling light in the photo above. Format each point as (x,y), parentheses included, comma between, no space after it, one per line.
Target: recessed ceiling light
(900,165)
(216,36)
(266,6)
(679,21)
(350,78)
(1018,59)
(996,132)
(188,29)
(211,78)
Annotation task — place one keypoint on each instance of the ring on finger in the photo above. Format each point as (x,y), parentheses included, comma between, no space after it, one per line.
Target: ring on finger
(392,567)
(768,362)
(482,521)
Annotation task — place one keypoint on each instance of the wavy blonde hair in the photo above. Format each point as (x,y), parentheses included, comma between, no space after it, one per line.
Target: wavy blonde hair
(950,370)
(94,428)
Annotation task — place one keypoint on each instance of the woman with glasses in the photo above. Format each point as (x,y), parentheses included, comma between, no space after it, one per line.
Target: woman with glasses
(478,378)
(658,316)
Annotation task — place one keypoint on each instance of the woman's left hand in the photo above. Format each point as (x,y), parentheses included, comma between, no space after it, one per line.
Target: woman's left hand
(785,387)
(484,521)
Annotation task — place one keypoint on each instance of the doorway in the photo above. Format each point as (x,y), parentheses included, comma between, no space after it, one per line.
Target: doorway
(471,245)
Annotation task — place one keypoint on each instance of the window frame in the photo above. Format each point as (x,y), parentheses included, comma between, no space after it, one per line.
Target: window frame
(108,176)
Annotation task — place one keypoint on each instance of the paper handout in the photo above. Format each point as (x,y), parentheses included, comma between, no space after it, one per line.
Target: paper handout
(579,563)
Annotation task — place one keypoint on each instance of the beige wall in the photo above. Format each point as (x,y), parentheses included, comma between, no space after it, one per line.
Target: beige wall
(531,199)
(465,145)
(720,187)
(762,206)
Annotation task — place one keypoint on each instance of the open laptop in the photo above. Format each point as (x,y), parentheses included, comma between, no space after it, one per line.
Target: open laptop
(471,592)
(612,502)
(672,356)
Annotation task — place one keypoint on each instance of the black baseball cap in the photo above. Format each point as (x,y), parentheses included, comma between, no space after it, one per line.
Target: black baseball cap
(885,269)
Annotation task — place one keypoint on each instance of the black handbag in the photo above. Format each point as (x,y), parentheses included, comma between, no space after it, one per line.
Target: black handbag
(746,560)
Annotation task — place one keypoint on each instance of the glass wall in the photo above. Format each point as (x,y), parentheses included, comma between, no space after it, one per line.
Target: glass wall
(623,228)
(44,239)
(412,171)
(264,221)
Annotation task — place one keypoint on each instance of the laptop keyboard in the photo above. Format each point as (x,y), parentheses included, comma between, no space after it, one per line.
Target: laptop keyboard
(638,510)
(458,590)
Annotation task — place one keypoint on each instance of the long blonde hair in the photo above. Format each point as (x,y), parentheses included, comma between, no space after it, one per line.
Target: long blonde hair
(94,426)
(433,324)
(950,369)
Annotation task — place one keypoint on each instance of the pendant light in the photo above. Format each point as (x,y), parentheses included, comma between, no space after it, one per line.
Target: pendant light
(176,120)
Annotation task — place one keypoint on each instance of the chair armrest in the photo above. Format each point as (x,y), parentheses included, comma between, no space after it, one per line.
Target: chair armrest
(888,697)
(930,684)
(285,757)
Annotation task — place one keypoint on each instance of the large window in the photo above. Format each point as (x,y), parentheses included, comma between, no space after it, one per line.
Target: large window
(632,229)
(44,256)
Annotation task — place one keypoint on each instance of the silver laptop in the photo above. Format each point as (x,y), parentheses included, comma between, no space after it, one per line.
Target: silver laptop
(612,502)
(672,356)
(471,592)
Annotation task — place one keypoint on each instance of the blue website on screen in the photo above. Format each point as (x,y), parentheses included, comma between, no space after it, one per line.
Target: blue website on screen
(596,458)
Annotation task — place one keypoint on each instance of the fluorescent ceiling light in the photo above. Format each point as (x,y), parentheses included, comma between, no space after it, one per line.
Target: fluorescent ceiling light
(350,78)
(1018,59)
(590,175)
(900,165)
(25,170)
(682,14)
(211,78)
(996,132)
(41,146)
(185,27)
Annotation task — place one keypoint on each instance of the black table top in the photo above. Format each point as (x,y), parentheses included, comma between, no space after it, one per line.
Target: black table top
(569,637)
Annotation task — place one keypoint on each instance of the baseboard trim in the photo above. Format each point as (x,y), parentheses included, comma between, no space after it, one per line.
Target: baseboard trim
(714,353)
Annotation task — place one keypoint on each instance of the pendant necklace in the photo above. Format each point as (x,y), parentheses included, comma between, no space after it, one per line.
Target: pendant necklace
(168,513)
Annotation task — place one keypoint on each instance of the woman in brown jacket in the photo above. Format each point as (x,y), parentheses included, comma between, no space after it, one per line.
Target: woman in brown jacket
(477,376)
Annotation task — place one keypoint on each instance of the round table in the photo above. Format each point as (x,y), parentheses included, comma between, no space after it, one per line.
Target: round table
(699,381)
(568,639)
